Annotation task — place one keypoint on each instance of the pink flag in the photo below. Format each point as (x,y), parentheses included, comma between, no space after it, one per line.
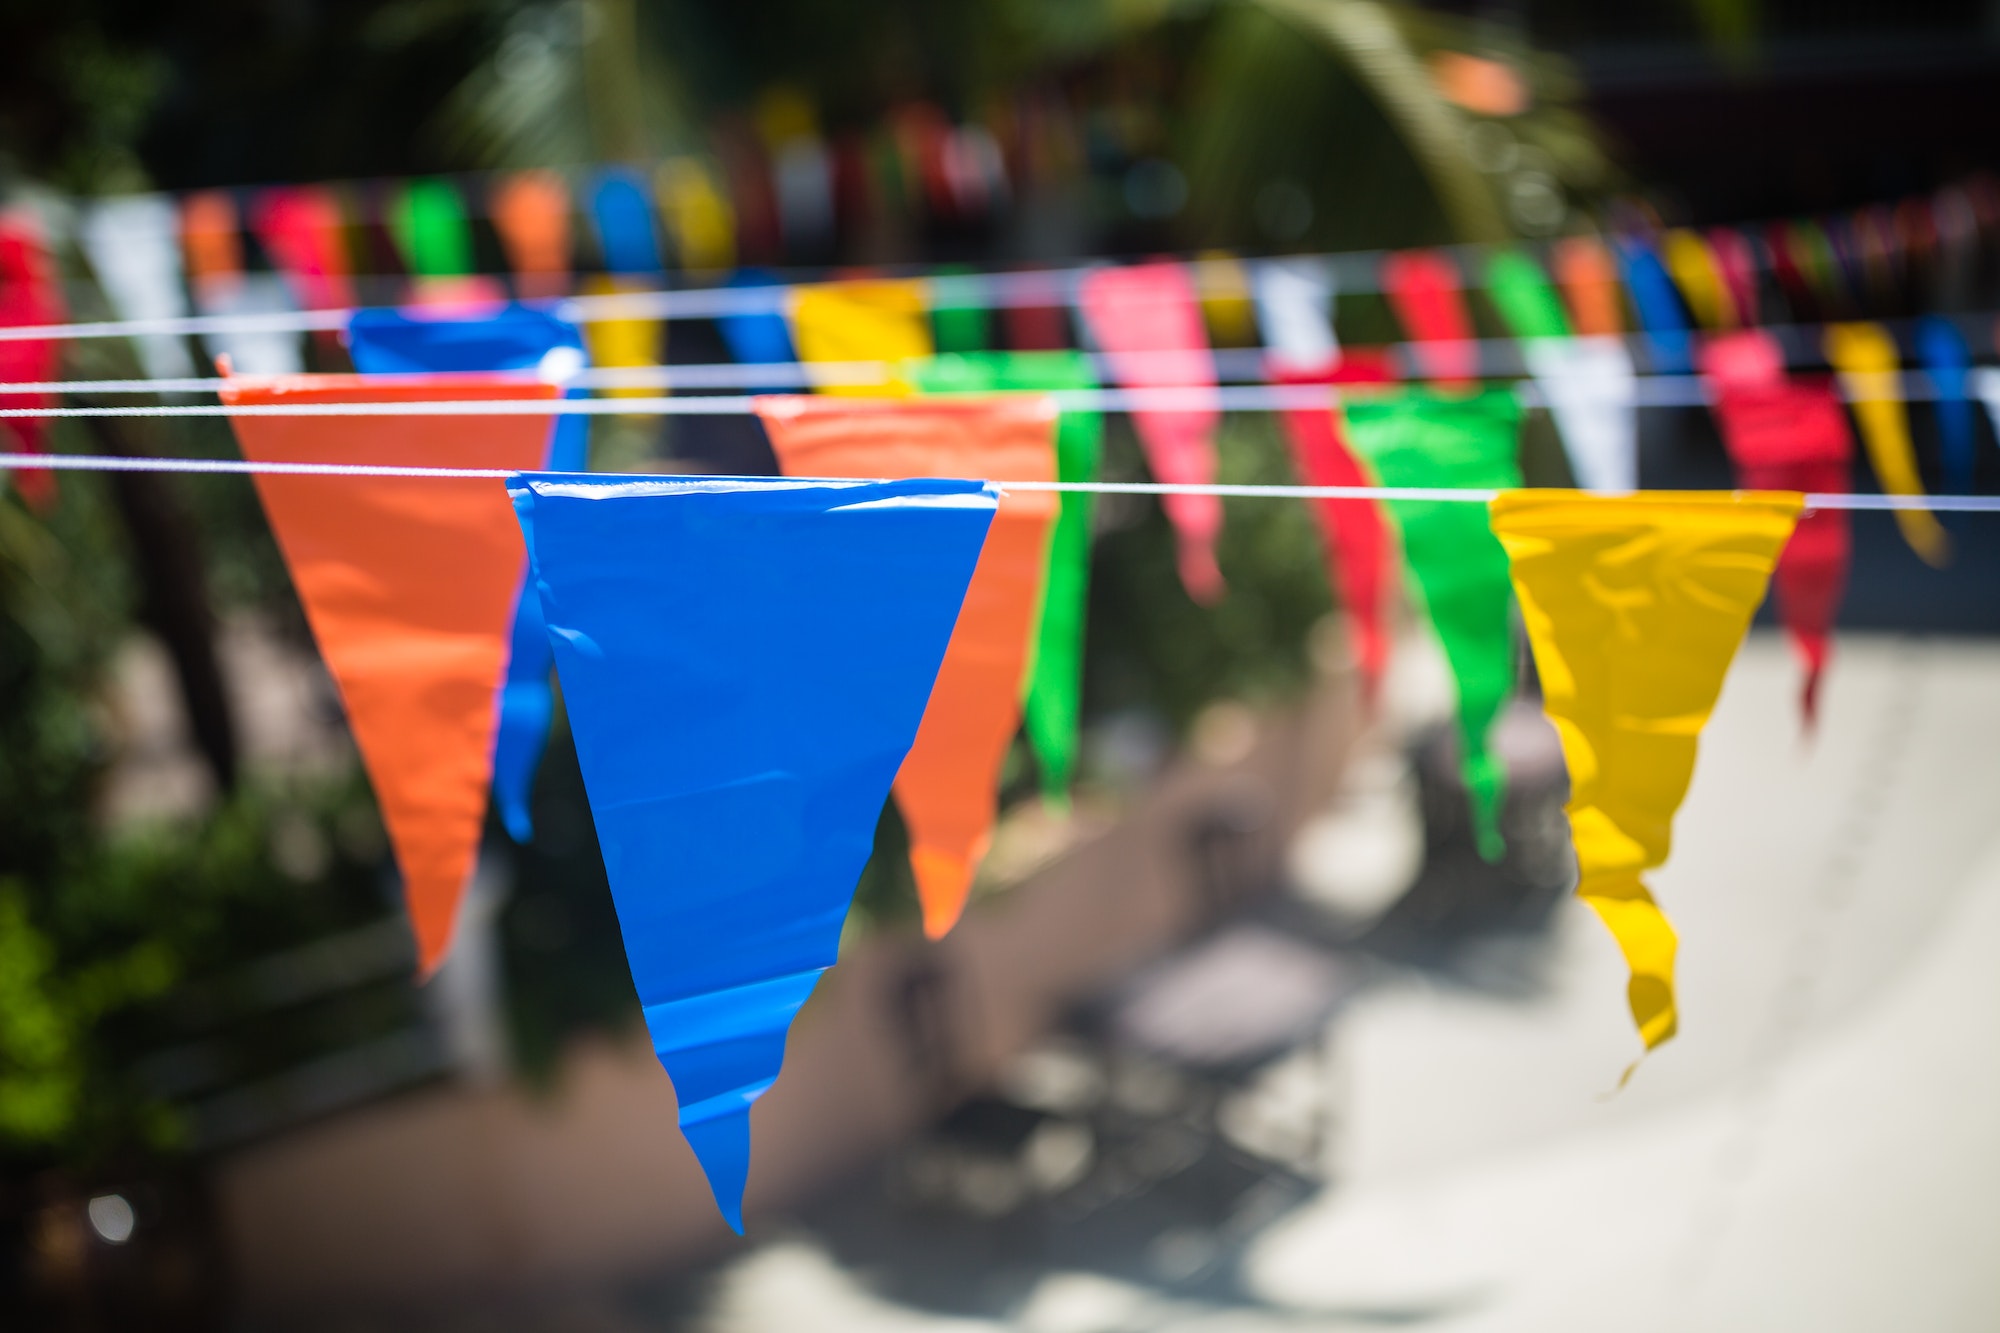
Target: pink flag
(1147,322)
(1423,289)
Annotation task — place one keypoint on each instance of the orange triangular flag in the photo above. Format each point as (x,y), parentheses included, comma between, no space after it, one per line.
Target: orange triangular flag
(948,787)
(409,584)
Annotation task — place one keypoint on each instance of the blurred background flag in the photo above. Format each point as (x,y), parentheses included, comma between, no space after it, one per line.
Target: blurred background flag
(1422,287)
(531,212)
(949,786)
(796,668)
(1420,438)
(879,320)
(410,585)
(1870,370)
(30,294)
(133,245)
(1658,306)
(1147,323)
(1635,607)
(1948,361)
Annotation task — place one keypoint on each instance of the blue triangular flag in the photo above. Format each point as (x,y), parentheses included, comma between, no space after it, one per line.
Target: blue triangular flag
(745,662)
(515,337)
(1948,361)
(624,220)
(1659,307)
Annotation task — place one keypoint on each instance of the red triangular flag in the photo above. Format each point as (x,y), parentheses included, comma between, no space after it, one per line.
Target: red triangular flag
(30,294)
(409,584)
(1789,435)
(1423,288)
(1356,534)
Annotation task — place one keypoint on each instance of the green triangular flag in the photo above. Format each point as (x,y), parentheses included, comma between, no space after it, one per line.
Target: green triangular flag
(430,228)
(958,315)
(1424,439)
(1522,294)
(1054,693)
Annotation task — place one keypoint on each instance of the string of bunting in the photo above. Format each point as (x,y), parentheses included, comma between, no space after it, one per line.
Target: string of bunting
(943,614)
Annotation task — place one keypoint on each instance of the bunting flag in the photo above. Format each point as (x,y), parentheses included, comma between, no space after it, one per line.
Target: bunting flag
(1865,357)
(530,211)
(429,225)
(1295,313)
(1147,323)
(1784,435)
(134,250)
(1053,705)
(757,338)
(1226,306)
(410,586)
(862,321)
(622,343)
(1587,382)
(1634,607)
(1658,307)
(1736,265)
(1424,439)
(736,822)
(1694,270)
(300,228)
(698,215)
(30,294)
(1423,289)
(948,789)
(624,222)
(1985,383)
(1588,277)
(514,338)
(1355,532)
(959,317)
(1948,361)
(213,248)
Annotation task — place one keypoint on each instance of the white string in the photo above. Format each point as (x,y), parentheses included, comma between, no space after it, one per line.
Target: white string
(1967,504)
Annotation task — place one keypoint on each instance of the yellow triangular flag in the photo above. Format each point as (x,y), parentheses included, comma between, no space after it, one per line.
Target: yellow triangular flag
(1866,358)
(874,320)
(1635,606)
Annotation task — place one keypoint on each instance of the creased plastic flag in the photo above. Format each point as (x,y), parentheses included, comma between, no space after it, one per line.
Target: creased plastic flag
(1423,289)
(1355,531)
(513,338)
(133,243)
(1865,357)
(1635,606)
(1658,306)
(301,228)
(1588,383)
(30,294)
(1425,439)
(1053,704)
(1295,312)
(530,211)
(1147,323)
(1948,361)
(410,586)
(878,321)
(796,628)
(948,789)
(1787,435)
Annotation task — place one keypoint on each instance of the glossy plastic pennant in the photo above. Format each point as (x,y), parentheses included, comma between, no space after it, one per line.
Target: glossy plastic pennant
(1423,289)
(948,789)
(513,338)
(1787,435)
(745,662)
(1053,706)
(1147,323)
(1355,532)
(864,320)
(30,294)
(1948,361)
(1865,357)
(1635,607)
(1425,439)
(410,585)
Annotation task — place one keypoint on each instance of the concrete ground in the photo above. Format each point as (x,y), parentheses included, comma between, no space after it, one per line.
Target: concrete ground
(1816,1150)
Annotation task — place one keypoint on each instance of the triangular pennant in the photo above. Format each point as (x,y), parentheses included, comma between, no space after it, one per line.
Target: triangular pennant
(1052,707)
(757,336)
(862,321)
(1865,357)
(1295,311)
(1948,361)
(1423,289)
(530,211)
(301,228)
(1985,382)
(1587,382)
(429,224)
(1700,280)
(738,732)
(948,789)
(1658,306)
(1635,606)
(1789,436)
(30,294)
(1147,323)
(410,585)
(1355,531)
(623,218)
(959,316)
(1226,306)
(1589,280)
(698,215)
(133,249)
(513,338)
(1423,439)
